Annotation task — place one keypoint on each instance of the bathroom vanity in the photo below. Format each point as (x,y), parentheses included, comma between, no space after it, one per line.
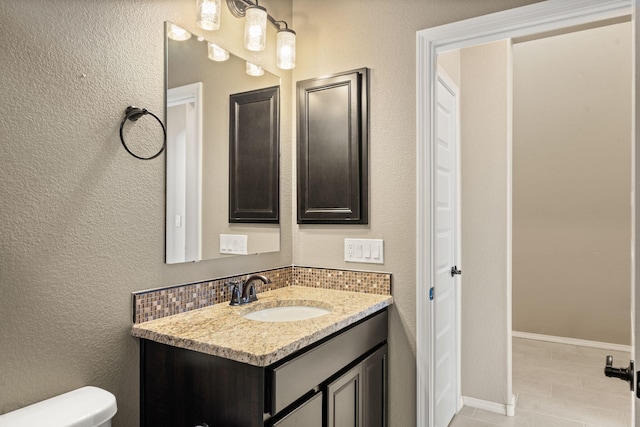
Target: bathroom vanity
(214,367)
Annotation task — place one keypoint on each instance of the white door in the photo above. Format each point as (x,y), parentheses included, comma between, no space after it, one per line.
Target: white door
(444,308)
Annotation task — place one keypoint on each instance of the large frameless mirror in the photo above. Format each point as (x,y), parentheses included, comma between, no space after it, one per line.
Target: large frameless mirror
(202,83)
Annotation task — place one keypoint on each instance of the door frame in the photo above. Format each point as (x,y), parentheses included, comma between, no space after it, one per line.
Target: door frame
(537,18)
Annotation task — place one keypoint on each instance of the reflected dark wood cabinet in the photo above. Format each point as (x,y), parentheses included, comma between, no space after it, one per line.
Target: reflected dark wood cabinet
(254,153)
(332,149)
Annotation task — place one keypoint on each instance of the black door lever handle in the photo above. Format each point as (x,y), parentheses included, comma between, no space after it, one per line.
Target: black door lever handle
(454,271)
(625,374)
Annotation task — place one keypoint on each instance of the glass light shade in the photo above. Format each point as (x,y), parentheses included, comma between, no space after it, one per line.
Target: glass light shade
(255,28)
(254,69)
(208,14)
(216,53)
(286,49)
(177,33)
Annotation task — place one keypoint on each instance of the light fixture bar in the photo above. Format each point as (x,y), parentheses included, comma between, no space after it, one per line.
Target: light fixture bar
(238,7)
(255,37)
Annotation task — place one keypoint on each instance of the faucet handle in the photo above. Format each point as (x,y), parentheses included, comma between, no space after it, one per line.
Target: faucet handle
(235,293)
(250,292)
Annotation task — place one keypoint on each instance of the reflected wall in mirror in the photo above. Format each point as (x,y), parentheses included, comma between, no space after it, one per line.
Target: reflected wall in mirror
(197,210)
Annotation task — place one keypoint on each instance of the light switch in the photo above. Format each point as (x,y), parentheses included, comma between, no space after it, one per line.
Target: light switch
(364,250)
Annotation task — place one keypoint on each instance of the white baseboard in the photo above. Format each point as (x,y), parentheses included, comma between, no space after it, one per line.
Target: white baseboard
(511,406)
(572,341)
(498,408)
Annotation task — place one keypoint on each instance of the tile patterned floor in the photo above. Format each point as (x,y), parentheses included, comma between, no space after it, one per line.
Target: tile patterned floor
(559,385)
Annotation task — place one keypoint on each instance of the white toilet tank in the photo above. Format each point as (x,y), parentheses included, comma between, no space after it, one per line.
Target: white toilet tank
(84,407)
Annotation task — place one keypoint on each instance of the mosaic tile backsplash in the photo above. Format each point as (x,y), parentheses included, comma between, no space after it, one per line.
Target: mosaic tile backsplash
(157,303)
(343,280)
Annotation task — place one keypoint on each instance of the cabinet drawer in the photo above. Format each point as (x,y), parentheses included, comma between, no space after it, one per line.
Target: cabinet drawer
(298,376)
(309,414)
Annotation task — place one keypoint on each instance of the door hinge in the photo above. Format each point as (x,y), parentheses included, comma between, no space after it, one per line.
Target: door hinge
(431,294)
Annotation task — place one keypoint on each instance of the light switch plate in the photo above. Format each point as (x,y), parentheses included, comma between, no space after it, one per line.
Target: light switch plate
(233,244)
(369,251)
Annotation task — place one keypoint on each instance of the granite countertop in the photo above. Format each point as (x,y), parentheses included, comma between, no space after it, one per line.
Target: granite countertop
(222,330)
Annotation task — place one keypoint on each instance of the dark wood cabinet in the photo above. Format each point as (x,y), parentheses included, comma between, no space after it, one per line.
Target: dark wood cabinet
(180,387)
(358,397)
(374,389)
(332,149)
(344,395)
(186,388)
(308,414)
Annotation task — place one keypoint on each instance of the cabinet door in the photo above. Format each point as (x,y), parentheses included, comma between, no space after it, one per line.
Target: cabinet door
(344,396)
(184,388)
(332,149)
(374,386)
(309,414)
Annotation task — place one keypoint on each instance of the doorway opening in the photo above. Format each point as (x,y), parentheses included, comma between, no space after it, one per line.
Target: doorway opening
(522,22)
(571,218)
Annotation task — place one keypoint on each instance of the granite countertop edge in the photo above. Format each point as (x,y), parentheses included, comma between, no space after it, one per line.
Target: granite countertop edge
(164,330)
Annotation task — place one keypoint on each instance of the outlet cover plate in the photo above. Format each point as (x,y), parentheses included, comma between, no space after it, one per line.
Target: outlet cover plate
(233,244)
(370,251)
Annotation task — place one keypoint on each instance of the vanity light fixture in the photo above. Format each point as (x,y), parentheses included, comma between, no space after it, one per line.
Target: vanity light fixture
(255,28)
(216,53)
(255,33)
(286,47)
(254,69)
(208,13)
(177,33)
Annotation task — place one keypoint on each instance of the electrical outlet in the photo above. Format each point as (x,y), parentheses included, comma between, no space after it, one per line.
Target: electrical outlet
(364,250)
(348,249)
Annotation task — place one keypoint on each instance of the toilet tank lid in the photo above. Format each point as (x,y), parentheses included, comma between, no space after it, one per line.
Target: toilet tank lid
(84,407)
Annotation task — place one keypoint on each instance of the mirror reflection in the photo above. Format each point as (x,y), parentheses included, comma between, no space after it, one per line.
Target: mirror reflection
(200,82)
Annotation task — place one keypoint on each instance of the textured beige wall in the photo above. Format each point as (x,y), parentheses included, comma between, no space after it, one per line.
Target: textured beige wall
(572,176)
(82,222)
(484,141)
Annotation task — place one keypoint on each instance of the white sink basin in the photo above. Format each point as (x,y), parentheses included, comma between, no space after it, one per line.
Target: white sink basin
(286,313)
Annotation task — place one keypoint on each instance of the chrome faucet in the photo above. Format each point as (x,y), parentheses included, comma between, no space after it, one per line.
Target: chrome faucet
(244,292)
